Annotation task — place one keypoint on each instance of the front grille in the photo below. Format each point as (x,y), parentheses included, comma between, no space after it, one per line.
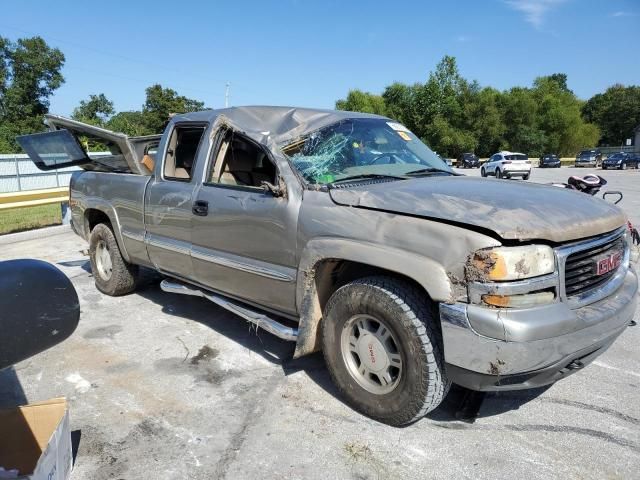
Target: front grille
(580,271)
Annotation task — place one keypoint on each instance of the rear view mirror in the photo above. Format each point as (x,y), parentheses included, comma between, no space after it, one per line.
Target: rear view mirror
(39,308)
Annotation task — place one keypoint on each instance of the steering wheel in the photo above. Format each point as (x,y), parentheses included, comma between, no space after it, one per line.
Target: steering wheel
(375,161)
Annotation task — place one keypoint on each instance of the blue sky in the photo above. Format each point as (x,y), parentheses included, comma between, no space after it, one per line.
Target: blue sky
(310,53)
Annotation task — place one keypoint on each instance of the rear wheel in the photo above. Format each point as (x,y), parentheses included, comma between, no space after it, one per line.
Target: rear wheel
(383,349)
(112,274)
(526,177)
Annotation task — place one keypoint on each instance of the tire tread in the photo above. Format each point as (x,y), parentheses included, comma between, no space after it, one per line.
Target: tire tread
(417,318)
(124,274)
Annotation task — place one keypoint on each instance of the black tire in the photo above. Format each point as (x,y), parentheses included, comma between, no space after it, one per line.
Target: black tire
(422,384)
(623,166)
(498,173)
(526,177)
(123,275)
(482,172)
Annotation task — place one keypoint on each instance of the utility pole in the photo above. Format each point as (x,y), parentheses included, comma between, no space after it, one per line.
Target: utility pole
(226,96)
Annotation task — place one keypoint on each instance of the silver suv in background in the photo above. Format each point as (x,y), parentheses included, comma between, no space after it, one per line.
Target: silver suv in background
(507,165)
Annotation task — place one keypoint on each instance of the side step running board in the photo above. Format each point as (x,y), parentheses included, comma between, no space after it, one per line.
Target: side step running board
(260,320)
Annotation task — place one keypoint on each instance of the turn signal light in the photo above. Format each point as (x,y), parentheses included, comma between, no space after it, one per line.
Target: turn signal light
(519,301)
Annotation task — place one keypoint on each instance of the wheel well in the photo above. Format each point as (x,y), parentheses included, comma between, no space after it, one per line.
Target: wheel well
(93,217)
(331,274)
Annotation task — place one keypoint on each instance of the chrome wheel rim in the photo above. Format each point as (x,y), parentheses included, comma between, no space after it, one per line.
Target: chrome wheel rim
(103,260)
(372,354)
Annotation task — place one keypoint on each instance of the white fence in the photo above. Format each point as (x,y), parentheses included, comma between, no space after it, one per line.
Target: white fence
(18,173)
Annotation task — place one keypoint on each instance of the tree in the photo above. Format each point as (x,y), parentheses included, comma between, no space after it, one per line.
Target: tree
(399,100)
(359,101)
(616,112)
(559,117)
(130,123)
(29,74)
(161,103)
(485,120)
(453,115)
(96,110)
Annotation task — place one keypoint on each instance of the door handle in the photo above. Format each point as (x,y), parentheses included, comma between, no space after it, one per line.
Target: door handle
(200,208)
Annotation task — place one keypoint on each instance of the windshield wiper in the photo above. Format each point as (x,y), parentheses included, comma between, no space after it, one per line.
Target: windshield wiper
(424,171)
(365,176)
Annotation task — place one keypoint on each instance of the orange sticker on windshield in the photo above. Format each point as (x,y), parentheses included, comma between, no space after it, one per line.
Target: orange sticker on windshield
(404,136)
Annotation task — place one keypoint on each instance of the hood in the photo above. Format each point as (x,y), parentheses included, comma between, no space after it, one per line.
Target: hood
(513,210)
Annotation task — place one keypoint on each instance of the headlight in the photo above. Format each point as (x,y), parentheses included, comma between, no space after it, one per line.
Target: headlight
(511,263)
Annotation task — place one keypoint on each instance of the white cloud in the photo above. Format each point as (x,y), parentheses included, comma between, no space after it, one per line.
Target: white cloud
(624,14)
(534,10)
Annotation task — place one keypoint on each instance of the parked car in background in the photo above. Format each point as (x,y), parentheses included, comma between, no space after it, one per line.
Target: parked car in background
(589,158)
(507,165)
(468,160)
(621,161)
(549,161)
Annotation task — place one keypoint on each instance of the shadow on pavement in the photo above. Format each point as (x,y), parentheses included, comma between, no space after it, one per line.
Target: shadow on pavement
(11,392)
(460,405)
(84,263)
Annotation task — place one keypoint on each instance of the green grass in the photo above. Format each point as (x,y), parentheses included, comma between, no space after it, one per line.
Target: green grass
(28,218)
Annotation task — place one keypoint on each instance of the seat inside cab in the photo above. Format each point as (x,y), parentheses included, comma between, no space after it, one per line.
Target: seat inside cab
(243,163)
(181,152)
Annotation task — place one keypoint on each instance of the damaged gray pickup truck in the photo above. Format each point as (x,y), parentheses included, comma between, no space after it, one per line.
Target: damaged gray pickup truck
(343,232)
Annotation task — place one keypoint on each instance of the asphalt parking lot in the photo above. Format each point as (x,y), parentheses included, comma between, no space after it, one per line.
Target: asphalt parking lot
(169,386)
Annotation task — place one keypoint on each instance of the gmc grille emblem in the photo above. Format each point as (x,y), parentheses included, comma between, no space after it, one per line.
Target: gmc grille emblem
(608,263)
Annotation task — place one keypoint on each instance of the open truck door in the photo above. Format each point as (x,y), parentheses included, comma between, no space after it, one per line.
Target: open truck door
(66,145)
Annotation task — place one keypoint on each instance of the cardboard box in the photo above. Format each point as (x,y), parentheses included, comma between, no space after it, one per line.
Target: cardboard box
(35,440)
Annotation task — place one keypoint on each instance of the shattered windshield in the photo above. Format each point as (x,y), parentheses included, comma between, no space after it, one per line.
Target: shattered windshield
(360,146)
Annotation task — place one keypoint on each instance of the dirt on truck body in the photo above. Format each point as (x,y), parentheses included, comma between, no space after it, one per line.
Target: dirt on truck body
(343,232)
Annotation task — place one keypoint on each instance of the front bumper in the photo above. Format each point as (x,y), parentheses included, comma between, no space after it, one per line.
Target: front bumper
(538,346)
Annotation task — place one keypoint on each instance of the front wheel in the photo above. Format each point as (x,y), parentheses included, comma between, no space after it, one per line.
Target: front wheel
(383,349)
(483,173)
(623,166)
(498,173)
(112,274)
